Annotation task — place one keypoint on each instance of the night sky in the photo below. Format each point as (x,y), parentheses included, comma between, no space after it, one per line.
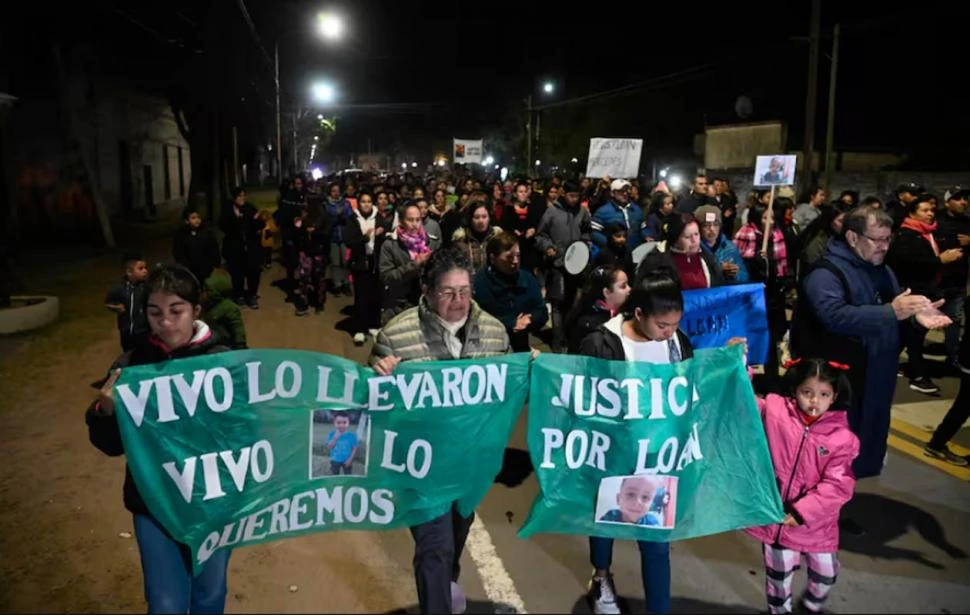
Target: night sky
(901,85)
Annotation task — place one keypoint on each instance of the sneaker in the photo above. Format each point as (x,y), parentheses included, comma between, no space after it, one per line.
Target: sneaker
(303,312)
(602,596)
(924,385)
(458,601)
(359,339)
(945,454)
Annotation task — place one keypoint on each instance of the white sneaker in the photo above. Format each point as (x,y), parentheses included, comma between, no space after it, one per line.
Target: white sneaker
(602,596)
(458,601)
(359,339)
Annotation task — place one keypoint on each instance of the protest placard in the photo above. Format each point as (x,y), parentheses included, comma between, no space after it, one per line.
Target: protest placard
(775,170)
(468,151)
(614,157)
(712,316)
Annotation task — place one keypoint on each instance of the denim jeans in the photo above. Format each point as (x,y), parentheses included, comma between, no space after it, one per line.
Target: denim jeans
(166,566)
(654,566)
(953,307)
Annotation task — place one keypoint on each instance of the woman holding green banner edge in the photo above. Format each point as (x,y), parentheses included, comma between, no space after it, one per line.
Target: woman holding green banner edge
(174,302)
(646,330)
(446,324)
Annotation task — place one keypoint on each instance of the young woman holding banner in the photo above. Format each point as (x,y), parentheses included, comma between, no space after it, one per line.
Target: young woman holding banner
(646,330)
(174,301)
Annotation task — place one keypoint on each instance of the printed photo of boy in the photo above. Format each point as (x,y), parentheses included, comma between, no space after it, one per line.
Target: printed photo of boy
(338,443)
(646,500)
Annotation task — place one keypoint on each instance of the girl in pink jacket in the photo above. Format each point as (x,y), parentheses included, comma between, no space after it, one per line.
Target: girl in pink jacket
(812,450)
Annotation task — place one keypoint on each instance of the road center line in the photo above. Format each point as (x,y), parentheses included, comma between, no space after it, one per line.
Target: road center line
(498,584)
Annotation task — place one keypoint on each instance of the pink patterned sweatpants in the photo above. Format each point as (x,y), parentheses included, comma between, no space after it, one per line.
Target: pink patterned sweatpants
(780,567)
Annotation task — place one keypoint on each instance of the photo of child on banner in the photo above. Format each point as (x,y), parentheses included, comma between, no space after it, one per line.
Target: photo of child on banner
(655,452)
(642,499)
(712,316)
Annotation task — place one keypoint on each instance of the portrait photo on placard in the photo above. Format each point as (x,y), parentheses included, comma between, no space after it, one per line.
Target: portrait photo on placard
(339,441)
(649,500)
(776,170)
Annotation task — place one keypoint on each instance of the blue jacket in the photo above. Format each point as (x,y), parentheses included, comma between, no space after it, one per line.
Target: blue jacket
(630,216)
(725,251)
(341,213)
(870,318)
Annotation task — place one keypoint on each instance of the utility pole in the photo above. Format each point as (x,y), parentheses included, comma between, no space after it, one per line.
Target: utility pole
(279,138)
(830,120)
(235,156)
(811,97)
(528,135)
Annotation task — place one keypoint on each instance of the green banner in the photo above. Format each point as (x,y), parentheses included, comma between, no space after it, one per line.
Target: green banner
(648,452)
(244,447)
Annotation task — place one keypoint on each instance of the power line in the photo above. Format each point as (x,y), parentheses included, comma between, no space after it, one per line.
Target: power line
(655,83)
(252,31)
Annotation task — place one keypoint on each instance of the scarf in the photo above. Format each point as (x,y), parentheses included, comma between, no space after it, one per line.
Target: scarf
(925,231)
(367,224)
(416,243)
(601,304)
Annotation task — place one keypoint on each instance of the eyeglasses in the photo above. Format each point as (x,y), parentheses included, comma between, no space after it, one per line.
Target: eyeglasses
(451,294)
(880,241)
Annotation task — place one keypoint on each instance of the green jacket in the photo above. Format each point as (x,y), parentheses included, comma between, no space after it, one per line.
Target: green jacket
(222,314)
(416,334)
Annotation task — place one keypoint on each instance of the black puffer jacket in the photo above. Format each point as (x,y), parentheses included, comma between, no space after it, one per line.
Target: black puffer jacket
(604,344)
(915,264)
(103,429)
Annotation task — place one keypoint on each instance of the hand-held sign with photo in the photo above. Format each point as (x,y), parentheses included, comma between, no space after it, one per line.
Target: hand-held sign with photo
(774,170)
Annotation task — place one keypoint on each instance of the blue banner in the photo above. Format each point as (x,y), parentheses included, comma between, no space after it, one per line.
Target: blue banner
(712,316)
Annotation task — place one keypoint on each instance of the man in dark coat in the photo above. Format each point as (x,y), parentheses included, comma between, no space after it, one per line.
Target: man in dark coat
(850,313)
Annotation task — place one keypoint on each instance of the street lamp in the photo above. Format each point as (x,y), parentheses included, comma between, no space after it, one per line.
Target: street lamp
(324,92)
(414,165)
(330,25)
(548,87)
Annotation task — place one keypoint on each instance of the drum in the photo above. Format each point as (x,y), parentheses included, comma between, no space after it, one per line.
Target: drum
(577,258)
(641,251)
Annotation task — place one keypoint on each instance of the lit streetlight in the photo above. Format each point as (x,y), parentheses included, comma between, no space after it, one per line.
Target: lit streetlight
(488,160)
(538,162)
(330,25)
(324,92)
(575,160)
(441,162)
(548,87)
(414,165)
(319,116)
(404,165)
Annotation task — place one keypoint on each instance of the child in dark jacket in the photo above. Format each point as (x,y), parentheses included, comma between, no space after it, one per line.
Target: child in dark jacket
(127,300)
(313,252)
(608,291)
(195,246)
(173,295)
(615,253)
(222,314)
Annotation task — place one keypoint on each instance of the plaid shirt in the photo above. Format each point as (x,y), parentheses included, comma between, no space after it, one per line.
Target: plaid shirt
(749,238)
